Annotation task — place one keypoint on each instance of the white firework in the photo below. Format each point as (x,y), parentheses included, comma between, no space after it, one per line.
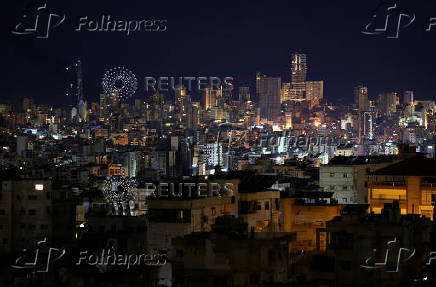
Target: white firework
(121,81)
(119,189)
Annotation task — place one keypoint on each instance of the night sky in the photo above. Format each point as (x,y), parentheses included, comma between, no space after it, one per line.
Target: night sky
(222,38)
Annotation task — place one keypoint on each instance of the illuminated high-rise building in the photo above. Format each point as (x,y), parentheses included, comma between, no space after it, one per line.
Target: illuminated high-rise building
(211,96)
(192,118)
(298,91)
(314,92)
(293,92)
(180,95)
(285,93)
(298,68)
(366,129)
(298,76)
(361,98)
(268,90)
(365,116)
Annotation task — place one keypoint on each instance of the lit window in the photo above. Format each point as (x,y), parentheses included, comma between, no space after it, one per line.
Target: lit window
(39,187)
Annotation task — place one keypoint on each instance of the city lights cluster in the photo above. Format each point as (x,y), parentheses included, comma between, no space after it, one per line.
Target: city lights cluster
(119,189)
(120,81)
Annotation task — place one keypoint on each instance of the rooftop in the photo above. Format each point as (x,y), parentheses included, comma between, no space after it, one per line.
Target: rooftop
(415,166)
(356,160)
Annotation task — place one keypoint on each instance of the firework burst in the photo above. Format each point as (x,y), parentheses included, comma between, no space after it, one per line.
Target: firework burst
(121,81)
(120,189)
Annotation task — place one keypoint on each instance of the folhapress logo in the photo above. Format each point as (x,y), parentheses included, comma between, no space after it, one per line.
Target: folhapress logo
(388,20)
(400,255)
(35,262)
(38,20)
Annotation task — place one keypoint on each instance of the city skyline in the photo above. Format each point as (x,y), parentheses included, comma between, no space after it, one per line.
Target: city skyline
(340,55)
(225,144)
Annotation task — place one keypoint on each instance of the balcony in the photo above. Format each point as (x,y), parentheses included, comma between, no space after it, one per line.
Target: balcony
(390,184)
(388,197)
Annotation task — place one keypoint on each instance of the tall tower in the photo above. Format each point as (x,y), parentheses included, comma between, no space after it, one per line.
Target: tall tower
(268,90)
(298,75)
(361,98)
(366,130)
(298,68)
(361,102)
(180,95)
(75,82)
(79,92)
